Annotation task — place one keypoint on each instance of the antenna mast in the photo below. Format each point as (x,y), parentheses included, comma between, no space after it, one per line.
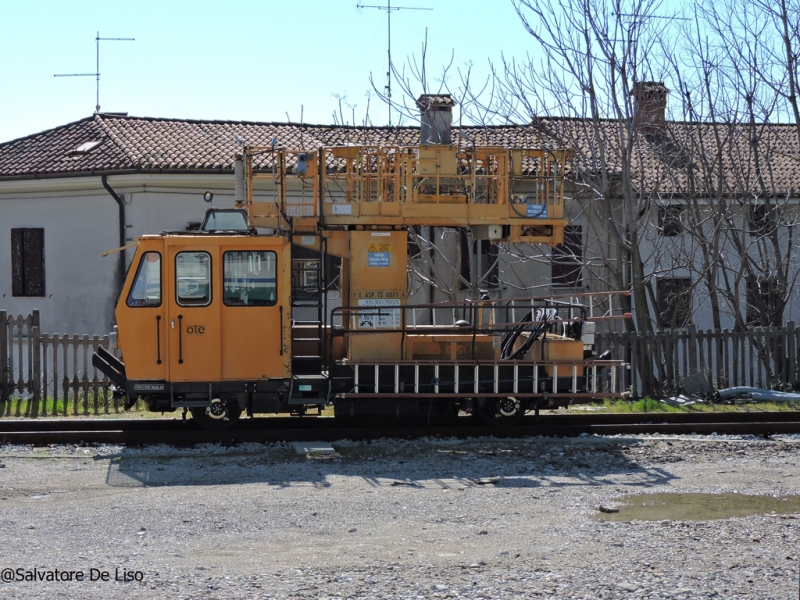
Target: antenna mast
(96,74)
(389,8)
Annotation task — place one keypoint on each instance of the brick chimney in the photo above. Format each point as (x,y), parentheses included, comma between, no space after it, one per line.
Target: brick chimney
(436,118)
(650,105)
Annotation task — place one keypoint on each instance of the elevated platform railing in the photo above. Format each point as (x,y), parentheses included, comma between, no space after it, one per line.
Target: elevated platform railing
(489,316)
(520,190)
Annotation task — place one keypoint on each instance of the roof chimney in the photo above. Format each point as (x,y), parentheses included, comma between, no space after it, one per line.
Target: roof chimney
(650,105)
(436,118)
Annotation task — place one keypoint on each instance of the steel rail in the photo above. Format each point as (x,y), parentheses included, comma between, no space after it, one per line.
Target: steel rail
(177,432)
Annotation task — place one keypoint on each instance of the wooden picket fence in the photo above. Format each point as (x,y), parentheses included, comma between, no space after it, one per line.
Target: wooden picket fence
(44,375)
(764,357)
(52,375)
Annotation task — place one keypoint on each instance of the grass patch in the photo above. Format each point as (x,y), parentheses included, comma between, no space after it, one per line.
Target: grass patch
(643,405)
(48,407)
(650,405)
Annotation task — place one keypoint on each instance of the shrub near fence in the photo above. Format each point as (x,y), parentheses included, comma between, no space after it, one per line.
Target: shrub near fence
(50,375)
(764,357)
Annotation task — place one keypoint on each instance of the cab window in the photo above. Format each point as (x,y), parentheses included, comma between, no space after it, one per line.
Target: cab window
(249,278)
(146,289)
(193,278)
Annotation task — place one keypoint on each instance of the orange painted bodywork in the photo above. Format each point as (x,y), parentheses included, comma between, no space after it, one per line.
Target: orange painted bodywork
(378,279)
(143,330)
(215,342)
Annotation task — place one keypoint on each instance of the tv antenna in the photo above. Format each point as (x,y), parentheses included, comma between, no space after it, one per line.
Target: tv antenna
(389,8)
(96,74)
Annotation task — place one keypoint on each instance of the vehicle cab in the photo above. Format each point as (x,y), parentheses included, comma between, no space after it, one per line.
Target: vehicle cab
(200,319)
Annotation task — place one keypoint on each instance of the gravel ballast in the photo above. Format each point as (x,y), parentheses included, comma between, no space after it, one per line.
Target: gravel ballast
(483,518)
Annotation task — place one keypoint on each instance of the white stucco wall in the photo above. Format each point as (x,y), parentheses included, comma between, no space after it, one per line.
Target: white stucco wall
(81,221)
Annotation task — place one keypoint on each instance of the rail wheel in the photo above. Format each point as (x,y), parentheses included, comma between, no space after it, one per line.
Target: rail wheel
(500,411)
(220,415)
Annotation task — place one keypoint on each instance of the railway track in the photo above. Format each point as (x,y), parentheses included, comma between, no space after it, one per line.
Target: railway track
(288,429)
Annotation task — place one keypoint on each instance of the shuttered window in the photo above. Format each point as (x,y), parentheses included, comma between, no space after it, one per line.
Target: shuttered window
(486,262)
(761,219)
(27,262)
(566,264)
(674,301)
(763,300)
(670,223)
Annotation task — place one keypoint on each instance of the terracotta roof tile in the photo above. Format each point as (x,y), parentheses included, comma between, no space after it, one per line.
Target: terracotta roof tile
(666,161)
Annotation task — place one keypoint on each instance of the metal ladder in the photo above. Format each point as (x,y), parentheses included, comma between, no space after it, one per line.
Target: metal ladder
(308,304)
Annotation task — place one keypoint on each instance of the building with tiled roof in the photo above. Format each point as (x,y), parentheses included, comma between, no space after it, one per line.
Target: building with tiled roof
(93,185)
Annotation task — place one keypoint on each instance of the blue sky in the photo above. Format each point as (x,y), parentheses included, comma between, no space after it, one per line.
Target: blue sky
(243,60)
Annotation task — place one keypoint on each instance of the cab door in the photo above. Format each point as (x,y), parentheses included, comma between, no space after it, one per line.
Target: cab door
(141,314)
(193,318)
(252,340)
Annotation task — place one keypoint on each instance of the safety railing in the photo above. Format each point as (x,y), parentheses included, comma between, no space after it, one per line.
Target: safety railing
(466,379)
(398,185)
(486,316)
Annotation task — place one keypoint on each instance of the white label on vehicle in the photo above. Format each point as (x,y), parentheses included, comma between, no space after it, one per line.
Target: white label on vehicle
(381,234)
(380,317)
(307,240)
(342,209)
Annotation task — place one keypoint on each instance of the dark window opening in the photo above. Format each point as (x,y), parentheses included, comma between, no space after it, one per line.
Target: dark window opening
(669,220)
(465,281)
(674,301)
(27,262)
(487,262)
(414,250)
(761,219)
(763,301)
(566,260)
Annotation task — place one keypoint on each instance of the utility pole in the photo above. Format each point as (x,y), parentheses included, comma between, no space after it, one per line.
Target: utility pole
(96,74)
(389,8)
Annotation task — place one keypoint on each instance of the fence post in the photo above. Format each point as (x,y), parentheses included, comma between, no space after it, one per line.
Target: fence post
(85,384)
(103,386)
(28,376)
(692,348)
(791,352)
(37,367)
(4,348)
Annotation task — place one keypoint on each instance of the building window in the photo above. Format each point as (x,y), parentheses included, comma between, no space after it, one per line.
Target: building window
(566,262)
(27,262)
(760,219)
(465,279)
(674,301)
(486,262)
(669,220)
(763,299)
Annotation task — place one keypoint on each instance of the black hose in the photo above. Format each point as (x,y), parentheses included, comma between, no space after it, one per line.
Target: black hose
(538,324)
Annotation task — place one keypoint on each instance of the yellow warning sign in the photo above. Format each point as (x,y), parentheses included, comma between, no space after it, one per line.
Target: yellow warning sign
(379,247)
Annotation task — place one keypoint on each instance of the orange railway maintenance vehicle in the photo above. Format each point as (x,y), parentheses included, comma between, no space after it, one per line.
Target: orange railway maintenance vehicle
(227,319)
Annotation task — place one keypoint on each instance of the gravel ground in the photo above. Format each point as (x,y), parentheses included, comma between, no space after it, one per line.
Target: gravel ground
(484,518)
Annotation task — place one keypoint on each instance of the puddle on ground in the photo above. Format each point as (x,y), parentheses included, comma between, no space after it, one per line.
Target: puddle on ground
(699,507)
